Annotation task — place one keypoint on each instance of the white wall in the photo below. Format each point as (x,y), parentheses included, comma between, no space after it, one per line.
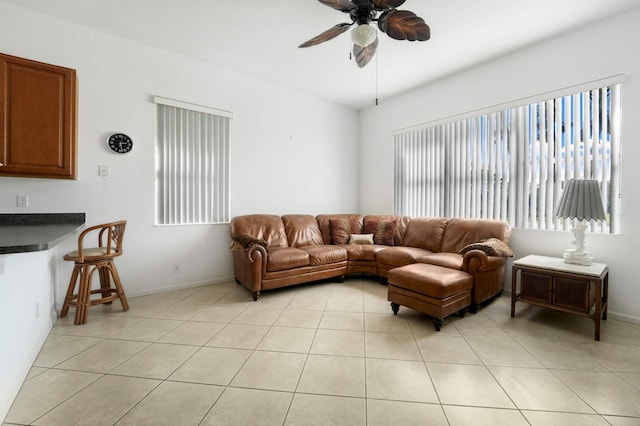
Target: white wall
(601,50)
(291,153)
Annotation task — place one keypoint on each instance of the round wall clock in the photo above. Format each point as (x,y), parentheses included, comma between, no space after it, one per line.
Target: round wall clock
(119,143)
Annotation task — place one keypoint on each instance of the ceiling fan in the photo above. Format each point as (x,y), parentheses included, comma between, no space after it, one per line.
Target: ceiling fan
(397,24)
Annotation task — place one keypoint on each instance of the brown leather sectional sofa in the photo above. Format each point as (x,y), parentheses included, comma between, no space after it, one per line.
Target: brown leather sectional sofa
(276,251)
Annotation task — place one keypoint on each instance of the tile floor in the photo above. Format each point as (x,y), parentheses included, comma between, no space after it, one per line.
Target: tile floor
(328,354)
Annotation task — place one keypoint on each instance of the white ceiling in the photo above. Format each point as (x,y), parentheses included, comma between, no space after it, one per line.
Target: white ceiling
(260,37)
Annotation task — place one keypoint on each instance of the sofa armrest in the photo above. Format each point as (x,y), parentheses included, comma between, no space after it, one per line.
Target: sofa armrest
(249,260)
(479,261)
(488,275)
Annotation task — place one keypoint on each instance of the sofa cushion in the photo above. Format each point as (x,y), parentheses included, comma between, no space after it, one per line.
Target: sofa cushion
(363,239)
(343,227)
(425,233)
(462,232)
(282,258)
(324,254)
(447,260)
(383,229)
(325,226)
(400,256)
(261,227)
(302,230)
(363,251)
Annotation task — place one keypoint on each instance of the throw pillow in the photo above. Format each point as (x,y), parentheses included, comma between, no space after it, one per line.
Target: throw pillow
(383,230)
(341,228)
(492,247)
(364,239)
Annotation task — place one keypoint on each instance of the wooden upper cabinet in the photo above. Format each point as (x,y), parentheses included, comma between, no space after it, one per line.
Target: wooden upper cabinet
(37,119)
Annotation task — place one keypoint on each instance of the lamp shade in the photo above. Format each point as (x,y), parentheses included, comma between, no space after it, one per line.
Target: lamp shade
(581,199)
(363,35)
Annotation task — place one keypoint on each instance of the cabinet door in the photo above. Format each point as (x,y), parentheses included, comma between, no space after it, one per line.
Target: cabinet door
(536,287)
(574,294)
(37,119)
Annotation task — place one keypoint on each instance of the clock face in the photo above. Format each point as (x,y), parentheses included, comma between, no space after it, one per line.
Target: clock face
(120,143)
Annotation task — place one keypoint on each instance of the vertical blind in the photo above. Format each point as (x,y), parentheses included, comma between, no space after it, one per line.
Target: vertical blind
(512,164)
(192,164)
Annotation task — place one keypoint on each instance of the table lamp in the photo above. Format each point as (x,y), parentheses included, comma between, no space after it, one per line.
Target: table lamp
(581,202)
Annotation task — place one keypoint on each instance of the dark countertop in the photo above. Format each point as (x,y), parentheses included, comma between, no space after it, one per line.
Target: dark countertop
(20,233)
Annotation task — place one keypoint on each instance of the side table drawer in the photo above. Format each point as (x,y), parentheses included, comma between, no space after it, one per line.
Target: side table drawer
(536,287)
(576,295)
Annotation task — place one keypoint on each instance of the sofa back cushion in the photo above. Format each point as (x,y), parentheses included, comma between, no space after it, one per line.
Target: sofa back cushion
(324,223)
(260,226)
(302,230)
(425,233)
(462,232)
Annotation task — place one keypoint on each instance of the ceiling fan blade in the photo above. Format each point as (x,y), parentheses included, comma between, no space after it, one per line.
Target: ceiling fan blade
(364,54)
(404,25)
(332,32)
(387,4)
(341,5)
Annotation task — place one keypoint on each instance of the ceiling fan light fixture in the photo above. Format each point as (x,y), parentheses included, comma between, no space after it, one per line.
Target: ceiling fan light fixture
(363,35)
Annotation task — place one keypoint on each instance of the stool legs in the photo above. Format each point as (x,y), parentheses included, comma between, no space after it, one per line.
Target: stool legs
(82,274)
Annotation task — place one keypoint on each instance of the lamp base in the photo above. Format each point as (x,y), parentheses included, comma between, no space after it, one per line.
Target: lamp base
(577,258)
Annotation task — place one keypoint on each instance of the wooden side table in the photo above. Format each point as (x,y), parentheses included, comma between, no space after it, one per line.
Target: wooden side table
(554,284)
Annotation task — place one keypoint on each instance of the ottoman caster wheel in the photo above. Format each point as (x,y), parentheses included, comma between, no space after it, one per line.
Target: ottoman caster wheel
(255,295)
(437,323)
(395,307)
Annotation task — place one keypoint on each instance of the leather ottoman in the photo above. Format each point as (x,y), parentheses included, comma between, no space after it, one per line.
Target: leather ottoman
(430,289)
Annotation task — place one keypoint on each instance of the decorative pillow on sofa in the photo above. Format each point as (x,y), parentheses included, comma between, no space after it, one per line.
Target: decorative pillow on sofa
(245,241)
(492,247)
(364,239)
(341,228)
(383,230)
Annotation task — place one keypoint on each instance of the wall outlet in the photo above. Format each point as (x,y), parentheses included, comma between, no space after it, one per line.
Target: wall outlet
(175,268)
(22,200)
(103,170)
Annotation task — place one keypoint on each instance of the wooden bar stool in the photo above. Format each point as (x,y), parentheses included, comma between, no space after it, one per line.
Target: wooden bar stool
(95,259)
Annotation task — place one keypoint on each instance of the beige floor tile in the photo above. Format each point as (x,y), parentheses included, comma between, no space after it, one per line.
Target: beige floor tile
(46,391)
(391,346)
(348,289)
(338,342)
(105,401)
(239,336)
(326,410)
(547,418)
(302,301)
(206,296)
(258,315)
(333,375)
(377,305)
(505,352)
(299,318)
(538,389)
(140,309)
(342,321)
(104,357)
(604,391)
(476,416)
(613,356)
(193,333)
(173,403)
(249,407)
(148,330)
(107,326)
(443,348)
(156,361)
(344,304)
(622,421)
(385,413)
(173,296)
(473,385)
(399,380)
(61,349)
(215,366)
(632,378)
(219,313)
(386,322)
(478,326)
(423,324)
(560,354)
(35,372)
(279,298)
(271,371)
(180,311)
(288,339)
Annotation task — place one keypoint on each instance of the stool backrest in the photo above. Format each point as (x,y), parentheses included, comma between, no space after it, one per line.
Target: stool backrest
(110,238)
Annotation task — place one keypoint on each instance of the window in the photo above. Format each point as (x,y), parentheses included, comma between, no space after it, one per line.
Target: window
(512,164)
(192,163)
